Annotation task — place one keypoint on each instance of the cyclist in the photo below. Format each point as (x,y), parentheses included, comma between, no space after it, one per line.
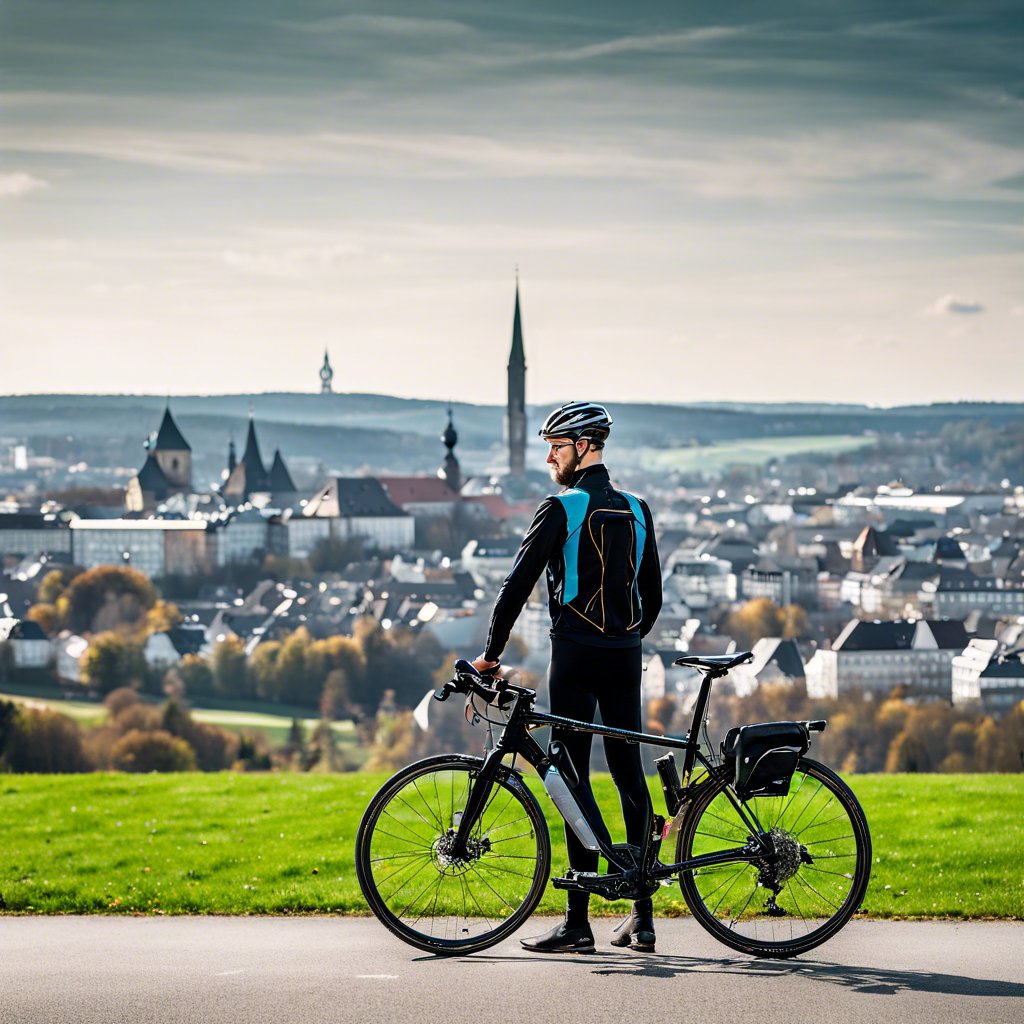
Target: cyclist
(597,546)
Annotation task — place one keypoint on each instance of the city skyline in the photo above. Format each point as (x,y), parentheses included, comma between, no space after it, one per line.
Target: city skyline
(707,204)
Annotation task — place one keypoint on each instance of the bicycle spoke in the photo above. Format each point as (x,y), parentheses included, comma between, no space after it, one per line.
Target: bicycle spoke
(416,883)
(398,821)
(737,905)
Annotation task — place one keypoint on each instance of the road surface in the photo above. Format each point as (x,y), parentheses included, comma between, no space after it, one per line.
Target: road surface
(105,970)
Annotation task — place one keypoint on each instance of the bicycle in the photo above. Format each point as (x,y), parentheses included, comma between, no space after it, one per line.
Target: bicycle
(772,849)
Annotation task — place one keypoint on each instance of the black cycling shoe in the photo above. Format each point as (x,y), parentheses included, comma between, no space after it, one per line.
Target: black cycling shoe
(562,939)
(637,932)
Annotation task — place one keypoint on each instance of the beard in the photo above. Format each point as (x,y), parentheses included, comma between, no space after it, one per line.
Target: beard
(562,475)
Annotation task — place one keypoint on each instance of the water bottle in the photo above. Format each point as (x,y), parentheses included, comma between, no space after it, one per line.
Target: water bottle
(563,799)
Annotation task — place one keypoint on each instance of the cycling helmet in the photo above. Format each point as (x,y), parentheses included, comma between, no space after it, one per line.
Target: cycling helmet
(578,420)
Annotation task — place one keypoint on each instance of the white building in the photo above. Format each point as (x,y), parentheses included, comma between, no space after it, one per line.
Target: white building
(491,559)
(156,547)
(31,534)
(700,581)
(243,537)
(29,645)
(981,676)
(360,507)
(68,649)
(878,656)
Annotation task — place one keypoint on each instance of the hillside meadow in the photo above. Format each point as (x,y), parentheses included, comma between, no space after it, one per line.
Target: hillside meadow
(229,843)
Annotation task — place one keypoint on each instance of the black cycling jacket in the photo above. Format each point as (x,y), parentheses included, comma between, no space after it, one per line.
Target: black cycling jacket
(604,577)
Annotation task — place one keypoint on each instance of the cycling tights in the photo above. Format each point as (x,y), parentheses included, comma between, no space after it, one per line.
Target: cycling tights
(582,679)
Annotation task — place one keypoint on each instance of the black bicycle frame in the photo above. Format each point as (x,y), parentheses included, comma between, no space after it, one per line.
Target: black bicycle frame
(515,739)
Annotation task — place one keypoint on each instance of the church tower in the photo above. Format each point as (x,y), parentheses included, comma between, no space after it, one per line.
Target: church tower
(451,471)
(173,454)
(515,417)
(326,376)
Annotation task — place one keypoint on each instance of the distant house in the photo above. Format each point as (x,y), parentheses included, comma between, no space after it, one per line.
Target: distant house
(699,581)
(156,547)
(68,650)
(879,656)
(775,661)
(784,581)
(163,650)
(985,675)
(31,534)
(29,645)
(960,591)
(490,559)
(421,495)
(356,506)
(245,535)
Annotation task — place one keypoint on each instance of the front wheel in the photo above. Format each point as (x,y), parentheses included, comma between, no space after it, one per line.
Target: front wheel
(414,883)
(800,895)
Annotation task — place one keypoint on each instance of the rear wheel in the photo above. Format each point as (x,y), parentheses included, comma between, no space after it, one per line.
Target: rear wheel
(798,896)
(412,879)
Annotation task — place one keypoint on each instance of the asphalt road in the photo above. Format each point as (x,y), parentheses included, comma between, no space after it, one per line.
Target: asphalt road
(81,970)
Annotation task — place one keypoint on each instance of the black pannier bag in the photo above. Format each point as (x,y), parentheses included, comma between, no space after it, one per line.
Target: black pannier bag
(764,756)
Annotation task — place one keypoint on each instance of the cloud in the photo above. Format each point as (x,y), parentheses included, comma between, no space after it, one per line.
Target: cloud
(16,184)
(291,261)
(667,41)
(956,304)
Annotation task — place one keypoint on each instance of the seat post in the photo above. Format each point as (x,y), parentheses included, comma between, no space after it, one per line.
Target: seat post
(699,711)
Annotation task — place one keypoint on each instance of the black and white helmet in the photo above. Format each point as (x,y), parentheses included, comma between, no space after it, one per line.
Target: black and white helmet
(576,420)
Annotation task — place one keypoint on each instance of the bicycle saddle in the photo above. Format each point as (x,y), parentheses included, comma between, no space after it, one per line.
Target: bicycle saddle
(719,663)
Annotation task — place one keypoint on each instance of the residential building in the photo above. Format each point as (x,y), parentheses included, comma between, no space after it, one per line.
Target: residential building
(878,656)
(358,506)
(29,645)
(699,581)
(775,661)
(985,674)
(31,534)
(156,547)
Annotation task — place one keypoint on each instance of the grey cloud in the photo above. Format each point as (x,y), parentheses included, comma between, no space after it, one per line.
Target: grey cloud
(15,184)
(955,305)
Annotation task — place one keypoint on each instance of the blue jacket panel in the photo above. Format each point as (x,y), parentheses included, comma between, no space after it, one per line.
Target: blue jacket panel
(597,548)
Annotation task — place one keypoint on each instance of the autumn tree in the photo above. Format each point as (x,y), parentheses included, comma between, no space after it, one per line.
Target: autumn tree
(230,668)
(105,598)
(40,740)
(762,617)
(111,661)
(196,675)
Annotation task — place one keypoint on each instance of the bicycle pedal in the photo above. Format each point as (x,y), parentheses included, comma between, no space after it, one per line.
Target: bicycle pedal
(580,881)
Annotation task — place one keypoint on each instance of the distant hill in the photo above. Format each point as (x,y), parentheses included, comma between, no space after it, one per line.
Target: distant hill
(350,431)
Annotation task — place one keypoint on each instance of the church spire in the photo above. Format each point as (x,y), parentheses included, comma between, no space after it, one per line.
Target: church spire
(326,376)
(515,417)
(450,470)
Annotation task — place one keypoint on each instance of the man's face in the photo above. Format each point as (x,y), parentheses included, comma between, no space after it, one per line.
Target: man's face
(561,460)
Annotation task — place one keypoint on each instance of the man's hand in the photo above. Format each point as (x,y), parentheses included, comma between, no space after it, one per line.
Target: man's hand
(481,664)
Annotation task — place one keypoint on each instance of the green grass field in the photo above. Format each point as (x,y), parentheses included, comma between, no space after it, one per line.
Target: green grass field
(945,846)
(751,451)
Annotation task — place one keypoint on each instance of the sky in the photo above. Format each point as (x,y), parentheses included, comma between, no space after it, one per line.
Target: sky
(796,201)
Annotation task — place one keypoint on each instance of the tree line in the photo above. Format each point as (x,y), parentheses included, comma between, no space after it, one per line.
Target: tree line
(868,732)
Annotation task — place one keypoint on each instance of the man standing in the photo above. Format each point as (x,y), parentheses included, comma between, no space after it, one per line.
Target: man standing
(597,547)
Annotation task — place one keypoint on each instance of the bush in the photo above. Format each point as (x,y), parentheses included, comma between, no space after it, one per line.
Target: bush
(40,740)
(157,751)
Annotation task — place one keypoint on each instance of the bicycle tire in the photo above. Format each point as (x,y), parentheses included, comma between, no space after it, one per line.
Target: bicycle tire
(821,816)
(435,903)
